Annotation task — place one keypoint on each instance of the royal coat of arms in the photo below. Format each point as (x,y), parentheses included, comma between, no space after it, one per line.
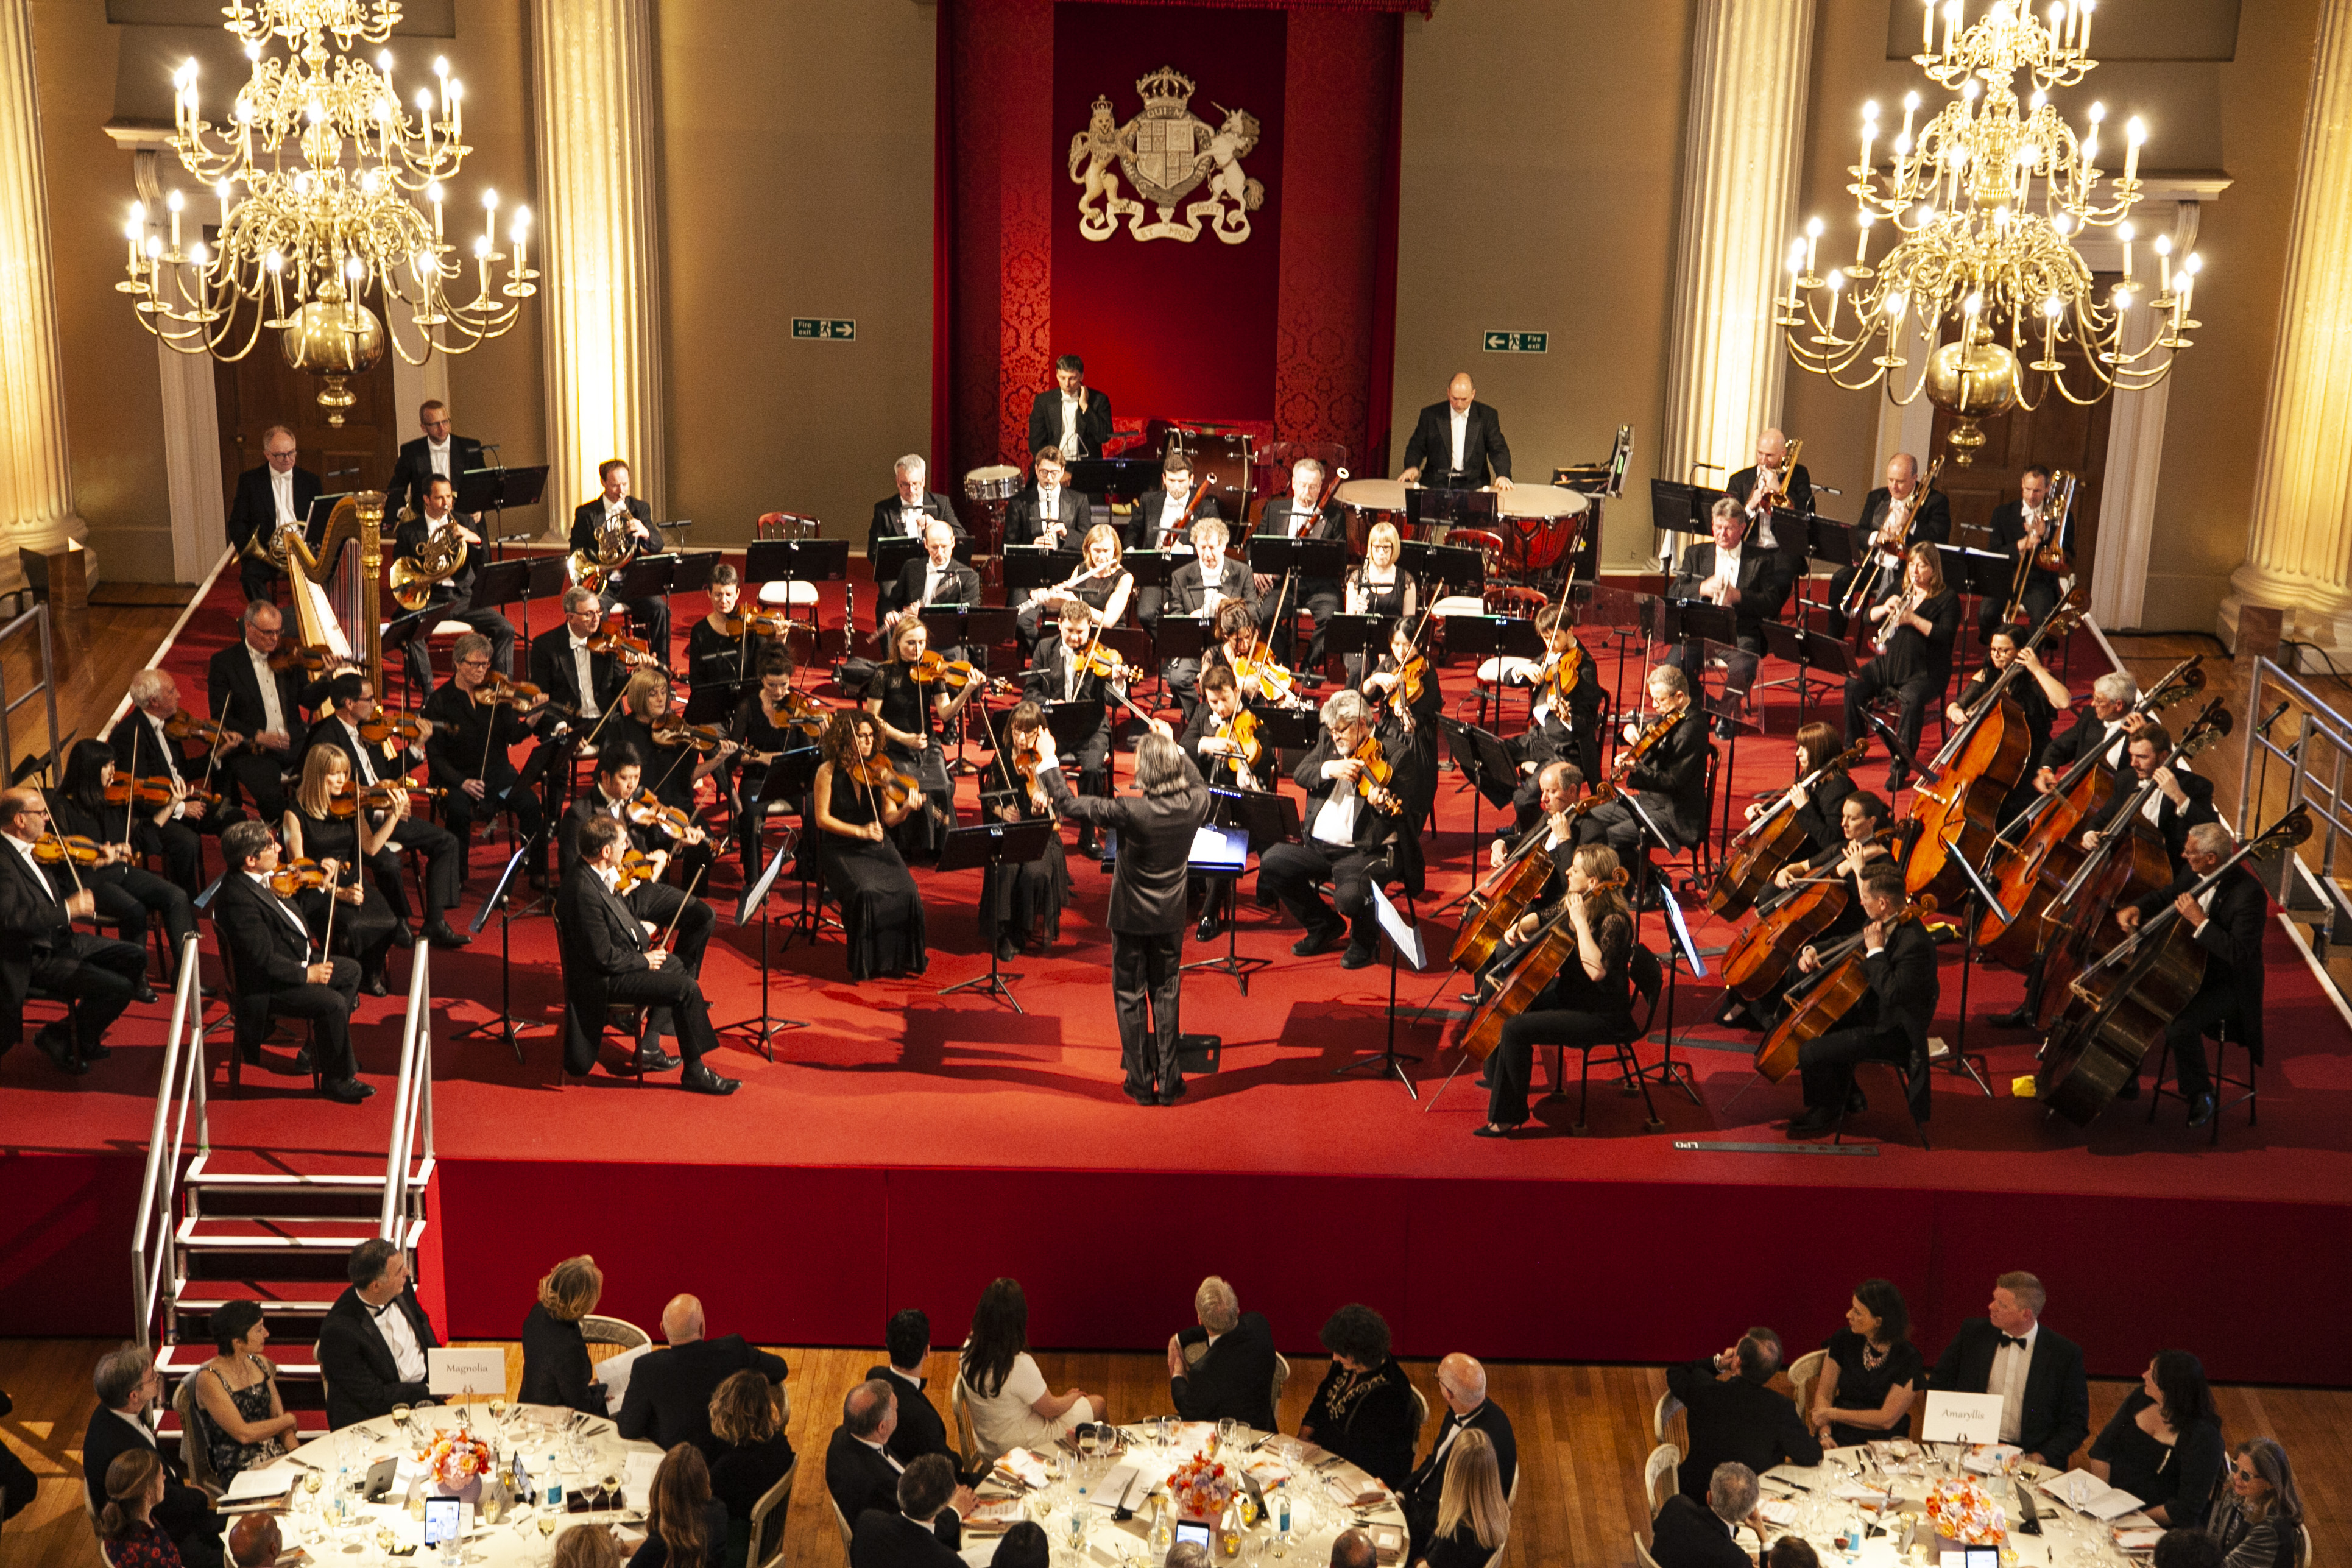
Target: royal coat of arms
(1166,153)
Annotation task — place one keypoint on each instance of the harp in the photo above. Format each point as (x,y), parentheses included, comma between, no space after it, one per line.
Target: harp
(336,589)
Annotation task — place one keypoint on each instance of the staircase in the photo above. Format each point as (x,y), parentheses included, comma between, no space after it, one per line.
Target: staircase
(242,1225)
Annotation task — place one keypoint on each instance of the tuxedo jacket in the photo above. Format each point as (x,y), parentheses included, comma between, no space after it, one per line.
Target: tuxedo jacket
(1687,1534)
(1045,679)
(1483,447)
(414,468)
(1759,581)
(270,952)
(459,584)
(388,761)
(34,925)
(1424,1488)
(2172,822)
(132,732)
(960,584)
(1902,996)
(1025,516)
(599,937)
(1676,767)
(1093,420)
(1930,520)
(1234,1377)
(1733,1419)
(1742,485)
(590,512)
(668,1400)
(554,671)
(2231,937)
(1188,586)
(232,692)
(254,509)
(920,1430)
(887,524)
(1155,841)
(185,1514)
(2055,1419)
(2087,733)
(889,1539)
(362,1379)
(1274,521)
(863,1481)
(1149,524)
(2009,532)
(1376,832)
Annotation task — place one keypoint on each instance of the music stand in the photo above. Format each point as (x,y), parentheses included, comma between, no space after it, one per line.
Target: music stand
(1104,478)
(1290,728)
(495,490)
(892,555)
(787,780)
(1345,634)
(1263,817)
(1026,568)
(994,845)
(1404,939)
(505,1027)
(761,1031)
(1429,506)
(1181,636)
(1302,560)
(1460,568)
(790,561)
(1483,637)
(1485,764)
(1981,898)
(646,577)
(691,575)
(1808,651)
(1681,948)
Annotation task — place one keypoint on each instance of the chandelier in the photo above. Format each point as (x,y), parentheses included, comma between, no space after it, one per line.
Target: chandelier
(1986,204)
(328,192)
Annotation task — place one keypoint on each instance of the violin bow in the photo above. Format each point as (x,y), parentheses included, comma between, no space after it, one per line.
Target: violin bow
(691,883)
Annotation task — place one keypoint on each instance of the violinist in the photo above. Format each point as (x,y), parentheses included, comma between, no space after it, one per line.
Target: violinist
(583,680)
(1668,779)
(2026,526)
(1295,516)
(674,764)
(2180,802)
(1588,1002)
(934,577)
(1200,588)
(279,974)
(127,894)
(366,927)
(1914,627)
(2228,921)
(452,598)
(249,698)
(906,713)
(1357,831)
(723,650)
(1102,585)
(1047,512)
(2039,695)
(613,954)
(765,728)
(881,912)
(1058,675)
(352,715)
(1241,651)
(615,510)
(1566,712)
(1888,1025)
(1021,905)
(1405,680)
(1817,806)
(469,755)
(1220,740)
(39,946)
(143,748)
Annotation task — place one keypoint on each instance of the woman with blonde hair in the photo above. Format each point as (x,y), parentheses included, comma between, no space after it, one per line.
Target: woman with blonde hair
(1914,628)
(555,1366)
(754,1454)
(1100,583)
(366,926)
(587,1546)
(1381,586)
(1473,1513)
(908,713)
(1587,1003)
(685,1527)
(127,1535)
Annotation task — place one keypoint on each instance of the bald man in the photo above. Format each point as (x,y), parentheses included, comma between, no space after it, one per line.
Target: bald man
(1462,1384)
(1458,443)
(254,1540)
(1772,474)
(1897,514)
(668,1400)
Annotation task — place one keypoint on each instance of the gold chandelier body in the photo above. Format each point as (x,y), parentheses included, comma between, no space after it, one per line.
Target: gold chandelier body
(1984,282)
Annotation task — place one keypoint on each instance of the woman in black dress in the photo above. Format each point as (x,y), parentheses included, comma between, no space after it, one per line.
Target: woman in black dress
(365,925)
(127,894)
(672,766)
(1816,804)
(1587,1001)
(1380,587)
(1871,1372)
(2039,696)
(1364,1410)
(2259,1521)
(685,1527)
(2163,1445)
(1913,629)
(753,1454)
(1021,905)
(881,912)
(715,656)
(760,727)
(1102,585)
(1383,685)
(908,713)
(555,1365)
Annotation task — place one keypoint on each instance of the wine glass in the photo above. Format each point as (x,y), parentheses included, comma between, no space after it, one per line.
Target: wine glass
(547,1523)
(384,1541)
(499,1414)
(400,1414)
(612,1485)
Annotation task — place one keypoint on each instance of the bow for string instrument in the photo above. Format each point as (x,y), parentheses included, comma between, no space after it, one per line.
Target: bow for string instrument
(1538,963)
(1242,730)
(1759,956)
(1769,842)
(1829,994)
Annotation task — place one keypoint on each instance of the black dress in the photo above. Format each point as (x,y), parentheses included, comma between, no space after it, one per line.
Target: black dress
(906,707)
(754,731)
(1574,1010)
(1387,601)
(881,912)
(740,1477)
(716,659)
(555,1365)
(1023,902)
(363,930)
(1863,1387)
(668,770)
(125,896)
(2181,1477)
(2039,716)
(1370,1421)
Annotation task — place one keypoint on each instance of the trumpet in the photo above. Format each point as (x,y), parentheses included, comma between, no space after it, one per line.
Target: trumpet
(1909,600)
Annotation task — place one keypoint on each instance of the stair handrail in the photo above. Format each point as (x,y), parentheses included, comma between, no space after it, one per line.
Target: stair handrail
(183,1085)
(411,1099)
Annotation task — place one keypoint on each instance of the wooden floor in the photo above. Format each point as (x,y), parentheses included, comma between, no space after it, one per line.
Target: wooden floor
(1582,1432)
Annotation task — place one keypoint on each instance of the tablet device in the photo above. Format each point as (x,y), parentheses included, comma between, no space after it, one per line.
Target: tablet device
(441,1520)
(379,1480)
(1198,1535)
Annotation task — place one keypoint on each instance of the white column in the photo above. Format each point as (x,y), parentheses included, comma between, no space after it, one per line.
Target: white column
(1749,63)
(36,479)
(2299,540)
(593,74)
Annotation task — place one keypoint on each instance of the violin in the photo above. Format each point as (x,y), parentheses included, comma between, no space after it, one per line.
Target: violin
(758,623)
(1659,724)
(408,729)
(206,733)
(804,714)
(1272,679)
(635,867)
(1372,779)
(706,738)
(1560,675)
(311,658)
(297,877)
(498,688)
(955,674)
(153,790)
(646,809)
(383,796)
(891,787)
(1242,730)
(55,849)
(626,648)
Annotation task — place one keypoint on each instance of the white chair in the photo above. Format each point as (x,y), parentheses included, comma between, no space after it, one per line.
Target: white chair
(1662,1414)
(1658,1482)
(839,1518)
(967,1440)
(1281,1376)
(1642,1558)
(1803,1372)
(768,1546)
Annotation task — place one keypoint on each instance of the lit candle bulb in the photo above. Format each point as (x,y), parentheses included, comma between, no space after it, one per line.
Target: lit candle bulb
(1836,283)
(1813,243)
(482,265)
(175,202)
(133,230)
(1951,25)
(1910,107)
(2057,30)
(2050,311)
(433,193)
(2125,232)
(2164,263)
(1869,134)
(2084,43)
(1862,248)
(1928,27)
(521,233)
(2135,132)
(490,219)
(2192,266)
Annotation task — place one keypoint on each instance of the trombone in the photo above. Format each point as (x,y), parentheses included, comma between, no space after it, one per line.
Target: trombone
(1865,589)
(2051,554)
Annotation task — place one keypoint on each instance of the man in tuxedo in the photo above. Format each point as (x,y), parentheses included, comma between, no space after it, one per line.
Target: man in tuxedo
(668,1401)
(934,577)
(2108,726)
(1048,513)
(1350,841)
(434,453)
(1294,516)
(251,698)
(609,957)
(1147,900)
(2023,527)
(614,507)
(2179,800)
(1890,1022)
(39,946)
(1458,443)
(912,1535)
(275,495)
(350,703)
(1072,418)
(1733,1415)
(128,1386)
(1158,512)
(268,943)
(1690,1534)
(1462,1384)
(1669,781)
(908,510)
(1732,570)
(2228,921)
(587,681)
(1896,515)
(862,1466)
(917,1428)
(2045,1403)
(373,1341)
(1198,588)
(469,756)
(656,902)
(1233,1375)
(451,599)
(143,749)
(1056,675)
(1769,474)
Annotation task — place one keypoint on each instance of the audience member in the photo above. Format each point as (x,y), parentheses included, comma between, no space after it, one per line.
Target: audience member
(1686,1534)
(1792,1552)
(1024,1546)
(18,1484)
(908,1537)
(240,1418)
(587,1546)
(685,1525)
(2179,1548)
(668,1400)
(1462,1384)
(1189,1555)
(1872,1371)
(1473,1516)
(555,1365)
(128,1386)
(1011,1406)
(1364,1410)
(1233,1375)
(1354,1548)
(2163,1445)
(373,1341)
(2259,1521)
(1732,1414)
(2045,1406)
(920,1429)
(126,1533)
(754,1454)
(255,1540)
(862,1466)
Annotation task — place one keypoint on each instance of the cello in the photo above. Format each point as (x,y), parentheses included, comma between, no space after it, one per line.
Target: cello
(1839,983)
(1768,843)
(1975,773)
(1760,955)
(2120,1005)
(1499,902)
(1532,971)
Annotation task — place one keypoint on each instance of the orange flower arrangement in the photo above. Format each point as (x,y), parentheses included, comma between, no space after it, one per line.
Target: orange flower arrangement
(455,1458)
(1201,1487)
(1960,1510)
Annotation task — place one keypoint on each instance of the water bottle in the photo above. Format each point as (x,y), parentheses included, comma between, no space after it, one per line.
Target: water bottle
(343,1491)
(1280,1508)
(1854,1535)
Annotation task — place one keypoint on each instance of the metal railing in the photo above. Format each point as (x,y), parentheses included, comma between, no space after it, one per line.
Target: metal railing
(408,1161)
(2311,884)
(37,619)
(182,1090)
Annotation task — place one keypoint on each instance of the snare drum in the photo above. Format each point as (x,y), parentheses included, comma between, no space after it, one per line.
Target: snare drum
(1369,501)
(998,482)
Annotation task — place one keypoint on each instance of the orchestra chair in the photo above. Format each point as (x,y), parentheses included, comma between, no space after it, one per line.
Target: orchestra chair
(2167,1085)
(1495,680)
(1693,864)
(1803,1372)
(229,992)
(1660,1414)
(1650,982)
(840,1520)
(1658,1482)
(1891,1073)
(1195,1349)
(796,595)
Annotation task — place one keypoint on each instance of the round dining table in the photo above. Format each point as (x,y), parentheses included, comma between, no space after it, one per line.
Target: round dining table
(1865,1505)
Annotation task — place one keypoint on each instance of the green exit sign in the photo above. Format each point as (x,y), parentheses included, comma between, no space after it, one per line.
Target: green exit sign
(820,327)
(1517,343)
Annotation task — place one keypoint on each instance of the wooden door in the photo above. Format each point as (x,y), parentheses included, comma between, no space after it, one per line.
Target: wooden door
(261,390)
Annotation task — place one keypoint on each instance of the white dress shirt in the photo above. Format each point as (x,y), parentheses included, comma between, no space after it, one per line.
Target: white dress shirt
(400,1339)
(913,518)
(1303,515)
(281,488)
(1461,423)
(2006,1379)
(1049,507)
(436,459)
(932,577)
(583,672)
(1726,564)
(2116,743)
(164,748)
(1336,822)
(273,714)
(1071,408)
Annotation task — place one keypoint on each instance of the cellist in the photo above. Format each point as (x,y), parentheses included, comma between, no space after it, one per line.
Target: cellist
(1888,1025)
(2180,802)
(2038,697)
(1861,815)
(1587,1001)
(2228,923)
(1818,807)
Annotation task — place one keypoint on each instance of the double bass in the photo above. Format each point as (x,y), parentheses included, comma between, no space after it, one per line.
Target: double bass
(1768,843)
(1839,983)
(2119,1006)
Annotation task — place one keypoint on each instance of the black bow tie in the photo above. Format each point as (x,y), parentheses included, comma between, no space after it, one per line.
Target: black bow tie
(2012,1340)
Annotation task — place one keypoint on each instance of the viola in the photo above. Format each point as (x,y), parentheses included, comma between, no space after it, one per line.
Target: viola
(1660,726)
(1242,730)
(297,877)
(407,729)
(1537,964)
(1768,843)
(646,809)
(1272,679)
(55,849)
(706,738)
(1410,677)
(1839,983)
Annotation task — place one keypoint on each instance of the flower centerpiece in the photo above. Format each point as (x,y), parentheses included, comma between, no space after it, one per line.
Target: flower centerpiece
(1960,1512)
(457,1461)
(1201,1487)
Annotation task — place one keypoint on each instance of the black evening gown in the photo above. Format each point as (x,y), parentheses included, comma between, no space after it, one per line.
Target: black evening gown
(906,707)
(363,930)
(880,908)
(1025,901)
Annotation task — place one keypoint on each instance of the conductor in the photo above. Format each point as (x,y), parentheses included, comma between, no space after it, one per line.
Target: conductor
(1147,899)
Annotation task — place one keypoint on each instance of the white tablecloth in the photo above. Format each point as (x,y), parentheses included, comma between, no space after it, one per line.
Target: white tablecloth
(1804,1499)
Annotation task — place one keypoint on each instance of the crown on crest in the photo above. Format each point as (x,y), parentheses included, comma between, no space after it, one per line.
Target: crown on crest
(1166,85)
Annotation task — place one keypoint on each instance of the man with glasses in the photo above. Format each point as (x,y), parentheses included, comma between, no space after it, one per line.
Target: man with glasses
(470,751)
(128,1387)
(39,946)
(268,498)
(250,698)
(268,947)
(436,452)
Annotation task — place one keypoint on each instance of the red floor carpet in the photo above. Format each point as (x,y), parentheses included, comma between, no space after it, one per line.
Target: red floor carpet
(905,1148)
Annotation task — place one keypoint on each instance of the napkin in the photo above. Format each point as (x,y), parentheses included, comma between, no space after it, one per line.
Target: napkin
(1126,1480)
(1345,1494)
(1023,1466)
(2138,1540)
(1855,1492)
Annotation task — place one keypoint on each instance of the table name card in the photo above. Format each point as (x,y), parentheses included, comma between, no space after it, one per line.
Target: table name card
(1961,1418)
(457,1373)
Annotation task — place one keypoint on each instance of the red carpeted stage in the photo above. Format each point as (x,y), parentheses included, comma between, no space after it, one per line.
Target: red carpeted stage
(904,1147)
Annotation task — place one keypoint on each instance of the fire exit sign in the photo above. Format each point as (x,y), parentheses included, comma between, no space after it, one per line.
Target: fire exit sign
(1517,343)
(821,327)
